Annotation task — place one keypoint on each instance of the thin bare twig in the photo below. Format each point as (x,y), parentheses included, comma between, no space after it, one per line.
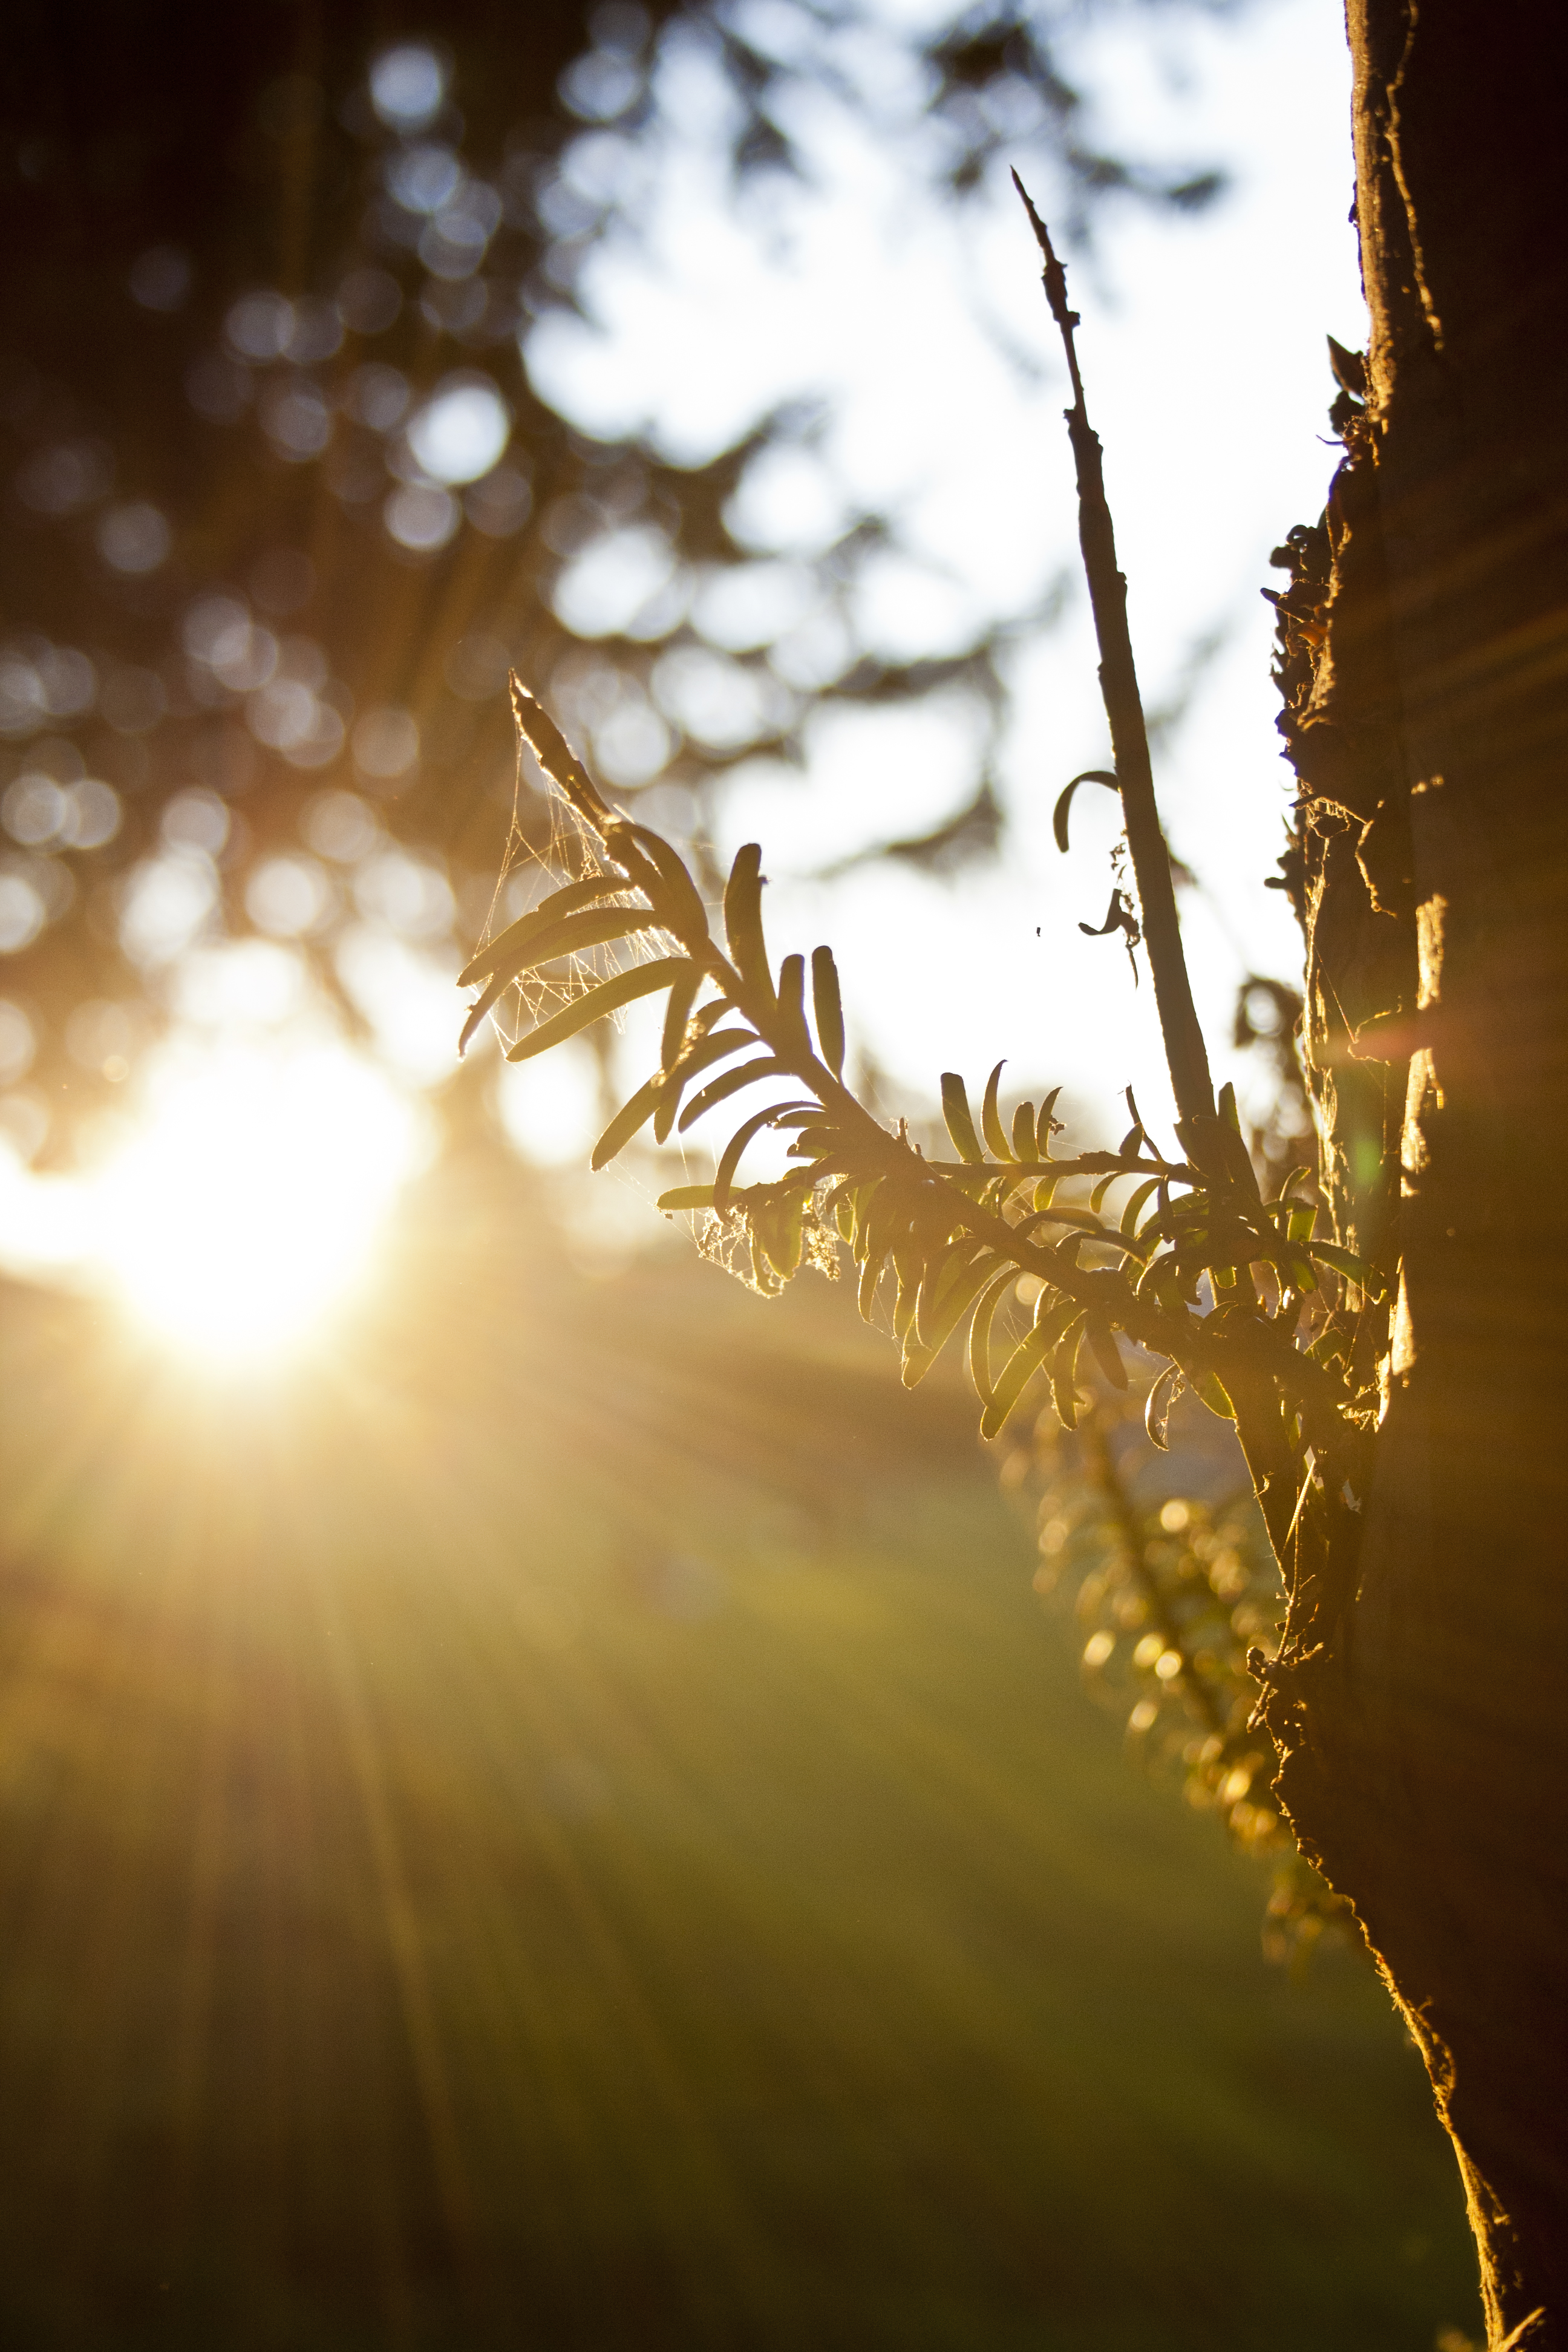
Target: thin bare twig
(1185,1049)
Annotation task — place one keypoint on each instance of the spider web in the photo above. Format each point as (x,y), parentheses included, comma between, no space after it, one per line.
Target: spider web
(528,873)
(573,853)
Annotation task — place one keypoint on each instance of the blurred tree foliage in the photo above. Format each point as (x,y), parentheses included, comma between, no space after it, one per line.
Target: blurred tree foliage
(281,507)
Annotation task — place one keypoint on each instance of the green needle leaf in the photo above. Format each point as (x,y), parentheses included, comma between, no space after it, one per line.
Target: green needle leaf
(792,1002)
(743,919)
(960,1122)
(1064,1370)
(934,1328)
(1355,1269)
(1133,1209)
(827,1003)
(676,1014)
(980,1334)
(493,955)
(631,1116)
(732,1159)
(682,907)
(1157,1411)
(574,935)
(698,1056)
(1043,1137)
(729,1084)
(1108,1355)
(991,1116)
(1297,1176)
(1023,1364)
(643,979)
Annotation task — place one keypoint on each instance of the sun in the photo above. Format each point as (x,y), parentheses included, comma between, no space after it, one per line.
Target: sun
(246,1203)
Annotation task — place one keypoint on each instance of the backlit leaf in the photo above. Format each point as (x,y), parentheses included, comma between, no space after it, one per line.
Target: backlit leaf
(631,1116)
(733,1150)
(791,1003)
(1297,1176)
(676,1014)
(686,1196)
(1157,1409)
(685,915)
(642,979)
(1064,1370)
(1346,1262)
(991,1116)
(1107,1354)
(493,957)
(1133,1207)
(575,934)
(699,1056)
(743,920)
(747,1075)
(980,1333)
(827,1004)
(936,1323)
(1047,1127)
(956,1112)
(1022,1365)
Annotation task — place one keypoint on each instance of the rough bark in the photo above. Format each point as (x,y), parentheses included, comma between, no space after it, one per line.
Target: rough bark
(1425,632)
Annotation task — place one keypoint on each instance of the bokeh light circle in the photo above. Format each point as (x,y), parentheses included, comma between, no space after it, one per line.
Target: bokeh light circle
(461,431)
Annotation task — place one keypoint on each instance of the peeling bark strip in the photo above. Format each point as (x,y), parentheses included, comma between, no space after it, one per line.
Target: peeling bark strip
(1423,664)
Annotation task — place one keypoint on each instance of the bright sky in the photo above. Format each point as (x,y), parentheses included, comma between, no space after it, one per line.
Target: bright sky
(924,334)
(928,336)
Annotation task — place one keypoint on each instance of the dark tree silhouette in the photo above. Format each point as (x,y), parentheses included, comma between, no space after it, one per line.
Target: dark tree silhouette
(1419,1701)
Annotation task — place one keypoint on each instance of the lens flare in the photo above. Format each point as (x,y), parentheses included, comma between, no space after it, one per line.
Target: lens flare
(247,1203)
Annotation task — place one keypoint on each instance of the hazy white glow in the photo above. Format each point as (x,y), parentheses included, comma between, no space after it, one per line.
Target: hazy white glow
(247,1201)
(551,1108)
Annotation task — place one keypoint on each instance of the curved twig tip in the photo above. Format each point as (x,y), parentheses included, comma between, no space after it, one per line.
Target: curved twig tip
(1064,801)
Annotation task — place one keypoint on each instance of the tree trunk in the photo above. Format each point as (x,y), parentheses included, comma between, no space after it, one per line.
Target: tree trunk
(1421,1697)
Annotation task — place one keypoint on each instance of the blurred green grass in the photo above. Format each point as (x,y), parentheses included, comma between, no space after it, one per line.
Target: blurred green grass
(562,1823)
